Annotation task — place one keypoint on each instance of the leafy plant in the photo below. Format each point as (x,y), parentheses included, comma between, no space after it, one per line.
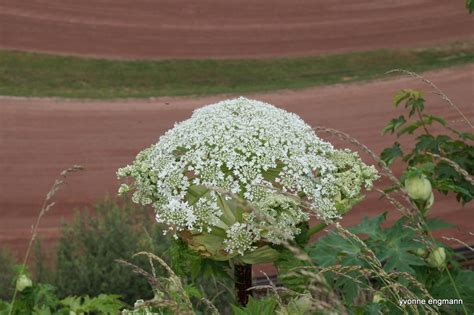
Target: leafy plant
(265,306)
(90,244)
(447,160)
(42,299)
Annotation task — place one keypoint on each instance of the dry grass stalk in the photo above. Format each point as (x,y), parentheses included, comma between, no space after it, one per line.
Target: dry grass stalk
(458,241)
(212,309)
(387,278)
(47,205)
(171,301)
(438,92)
(152,280)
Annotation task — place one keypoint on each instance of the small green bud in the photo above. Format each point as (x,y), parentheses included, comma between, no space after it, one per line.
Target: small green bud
(422,252)
(23,282)
(418,188)
(437,258)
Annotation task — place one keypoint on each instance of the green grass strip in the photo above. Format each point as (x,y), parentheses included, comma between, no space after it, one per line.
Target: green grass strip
(35,74)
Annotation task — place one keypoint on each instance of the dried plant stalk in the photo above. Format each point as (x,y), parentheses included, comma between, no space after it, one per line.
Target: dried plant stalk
(47,205)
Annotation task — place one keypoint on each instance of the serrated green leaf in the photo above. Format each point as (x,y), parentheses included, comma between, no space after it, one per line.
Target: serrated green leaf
(414,100)
(333,249)
(370,226)
(437,224)
(463,283)
(393,125)
(427,120)
(388,155)
(264,306)
(397,251)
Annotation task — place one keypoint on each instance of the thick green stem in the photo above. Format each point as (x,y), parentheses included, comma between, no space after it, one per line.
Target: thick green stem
(243,282)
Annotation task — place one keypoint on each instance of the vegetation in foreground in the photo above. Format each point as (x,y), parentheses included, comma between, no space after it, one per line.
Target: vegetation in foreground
(35,74)
(370,268)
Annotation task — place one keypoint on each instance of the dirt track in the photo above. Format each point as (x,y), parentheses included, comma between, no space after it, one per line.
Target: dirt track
(226,29)
(40,137)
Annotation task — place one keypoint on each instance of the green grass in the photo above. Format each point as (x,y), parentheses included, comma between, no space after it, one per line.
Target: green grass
(34,74)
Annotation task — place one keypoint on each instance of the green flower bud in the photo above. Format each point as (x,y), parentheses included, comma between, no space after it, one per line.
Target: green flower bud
(437,258)
(123,189)
(422,252)
(23,282)
(430,201)
(418,188)
(378,297)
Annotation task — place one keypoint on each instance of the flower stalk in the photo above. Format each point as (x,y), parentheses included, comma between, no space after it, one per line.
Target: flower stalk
(243,282)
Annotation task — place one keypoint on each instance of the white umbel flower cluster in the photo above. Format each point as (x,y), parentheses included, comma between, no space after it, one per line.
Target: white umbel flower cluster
(251,149)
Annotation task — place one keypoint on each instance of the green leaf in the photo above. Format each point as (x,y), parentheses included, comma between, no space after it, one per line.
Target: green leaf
(72,302)
(388,155)
(285,264)
(195,192)
(427,120)
(400,96)
(103,304)
(418,171)
(370,226)
(333,249)
(437,224)
(466,135)
(397,251)
(350,289)
(272,173)
(463,283)
(393,125)
(264,254)
(229,210)
(264,306)
(414,100)
(192,291)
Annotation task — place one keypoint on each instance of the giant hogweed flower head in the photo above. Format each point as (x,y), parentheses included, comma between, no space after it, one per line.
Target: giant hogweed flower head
(266,156)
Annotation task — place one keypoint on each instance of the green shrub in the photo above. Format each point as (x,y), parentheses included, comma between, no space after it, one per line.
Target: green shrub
(90,244)
(38,299)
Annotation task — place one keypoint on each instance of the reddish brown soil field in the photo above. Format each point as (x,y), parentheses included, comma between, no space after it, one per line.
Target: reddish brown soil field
(40,137)
(223,29)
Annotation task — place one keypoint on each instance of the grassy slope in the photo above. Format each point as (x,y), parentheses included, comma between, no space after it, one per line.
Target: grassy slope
(33,74)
